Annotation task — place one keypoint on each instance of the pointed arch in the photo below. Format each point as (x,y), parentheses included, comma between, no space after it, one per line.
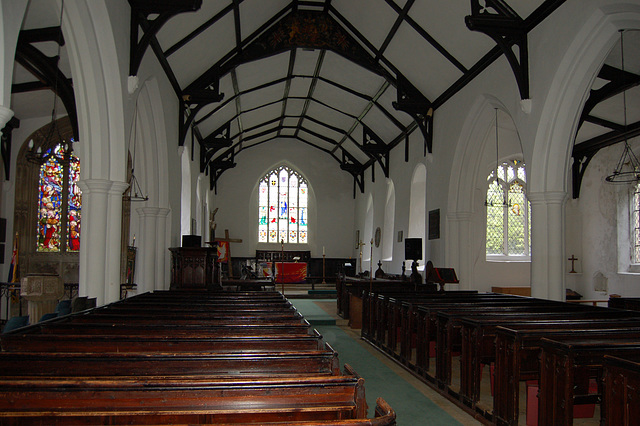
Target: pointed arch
(185,192)
(283,206)
(418,208)
(389,222)
(368,231)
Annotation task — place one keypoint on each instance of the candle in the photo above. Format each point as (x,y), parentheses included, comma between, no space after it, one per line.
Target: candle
(323,250)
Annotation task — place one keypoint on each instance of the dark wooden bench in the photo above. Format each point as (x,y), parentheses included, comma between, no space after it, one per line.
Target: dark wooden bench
(169,400)
(155,361)
(621,391)
(149,364)
(449,328)
(565,364)
(518,350)
(479,334)
(225,341)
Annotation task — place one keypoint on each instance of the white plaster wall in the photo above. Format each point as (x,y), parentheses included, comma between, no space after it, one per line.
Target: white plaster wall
(598,241)
(330,199)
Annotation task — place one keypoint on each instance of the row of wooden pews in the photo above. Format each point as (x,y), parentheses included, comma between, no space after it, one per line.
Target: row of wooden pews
(560,345)
(180,357)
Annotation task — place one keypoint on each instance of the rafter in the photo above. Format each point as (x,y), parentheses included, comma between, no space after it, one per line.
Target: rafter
(45,68)
(499,21)
(584,151)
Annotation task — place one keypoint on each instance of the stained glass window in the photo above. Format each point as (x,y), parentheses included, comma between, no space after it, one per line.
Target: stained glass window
(635,225)
(59,203)
(508,212)
(282,207)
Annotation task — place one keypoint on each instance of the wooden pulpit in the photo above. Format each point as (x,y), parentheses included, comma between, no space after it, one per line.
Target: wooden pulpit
(194,268)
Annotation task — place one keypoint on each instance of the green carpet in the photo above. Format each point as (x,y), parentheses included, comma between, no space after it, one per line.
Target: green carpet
(411,406)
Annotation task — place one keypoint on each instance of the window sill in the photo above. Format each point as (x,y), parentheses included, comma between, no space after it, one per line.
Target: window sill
(509,259)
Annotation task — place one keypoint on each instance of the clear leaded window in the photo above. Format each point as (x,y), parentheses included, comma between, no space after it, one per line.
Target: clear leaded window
(508,211)
(282,207)
(635,225)
(59,203)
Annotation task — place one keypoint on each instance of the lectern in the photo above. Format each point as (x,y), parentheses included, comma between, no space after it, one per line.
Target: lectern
(193,268)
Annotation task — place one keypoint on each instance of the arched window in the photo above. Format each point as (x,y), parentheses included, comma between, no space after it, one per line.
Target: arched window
(59,202)
(282,207)
(508,212)
(635,225)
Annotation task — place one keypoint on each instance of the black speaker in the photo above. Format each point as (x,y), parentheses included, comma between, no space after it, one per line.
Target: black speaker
(413,248)
(191,241)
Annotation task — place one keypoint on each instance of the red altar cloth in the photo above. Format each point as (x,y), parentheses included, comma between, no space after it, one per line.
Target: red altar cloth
(293,272)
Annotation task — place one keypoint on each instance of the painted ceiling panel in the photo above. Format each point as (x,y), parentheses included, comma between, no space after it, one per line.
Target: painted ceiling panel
(179,26)
(187,66)
(306,60)
(373,18)
(378,123)
(429,71)
(448,28)
(295,107)
(264,114)
(339,99)
(257,73)
(299,87)
(348,74)
(254,14)
(267,95)
(330,116)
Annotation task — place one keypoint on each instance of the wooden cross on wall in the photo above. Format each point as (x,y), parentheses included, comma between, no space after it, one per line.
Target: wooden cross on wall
(228,241)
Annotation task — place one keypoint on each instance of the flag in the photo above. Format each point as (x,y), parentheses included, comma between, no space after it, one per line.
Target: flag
(13,268)
(223,251)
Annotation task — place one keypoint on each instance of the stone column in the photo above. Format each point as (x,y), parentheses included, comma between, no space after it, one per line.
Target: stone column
(163,259)
(114,241)
(547,244)
(146,262)
(100,239)
(460,250)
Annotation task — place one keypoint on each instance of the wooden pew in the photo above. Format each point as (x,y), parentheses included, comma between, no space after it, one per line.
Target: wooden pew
(479,338)
(225,342)
(621,391)
(249,365)
(22,365)
(449,329)
(563,363)
(518,349)
(169,400)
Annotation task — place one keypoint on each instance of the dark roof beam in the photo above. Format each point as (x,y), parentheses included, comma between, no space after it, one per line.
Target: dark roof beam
(507,29)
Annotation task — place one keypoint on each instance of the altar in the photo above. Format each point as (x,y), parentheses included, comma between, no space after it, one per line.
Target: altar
(286,272)
(290,265)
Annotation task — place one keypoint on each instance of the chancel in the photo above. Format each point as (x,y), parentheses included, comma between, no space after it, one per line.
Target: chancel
(430,180)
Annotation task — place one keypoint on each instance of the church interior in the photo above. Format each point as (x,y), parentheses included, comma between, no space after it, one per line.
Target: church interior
(434,180)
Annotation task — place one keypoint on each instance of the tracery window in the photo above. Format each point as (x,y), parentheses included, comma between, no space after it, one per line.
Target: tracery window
(508,212)
(59,202)
(635,225)
(282,207)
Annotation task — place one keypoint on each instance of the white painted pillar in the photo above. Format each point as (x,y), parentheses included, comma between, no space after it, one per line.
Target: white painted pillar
(460,254)
(162,251)
(99,274)
(147,249)
(114,240)
(547,244)
(92,241)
